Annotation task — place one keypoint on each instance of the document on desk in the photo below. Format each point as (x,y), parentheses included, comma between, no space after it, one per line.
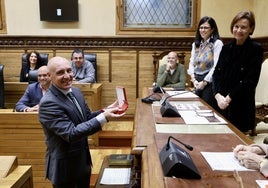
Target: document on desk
(201,117)
(262,183)
(182,95)
(224,161)
(115,176)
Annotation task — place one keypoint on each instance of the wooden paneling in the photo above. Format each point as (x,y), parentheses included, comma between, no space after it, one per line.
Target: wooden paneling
(125,61)
(21,135)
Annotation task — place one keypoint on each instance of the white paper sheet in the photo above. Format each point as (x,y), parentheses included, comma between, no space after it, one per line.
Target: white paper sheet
(192,117)
(115,176)
(182,94)
(225,161)
(262,183)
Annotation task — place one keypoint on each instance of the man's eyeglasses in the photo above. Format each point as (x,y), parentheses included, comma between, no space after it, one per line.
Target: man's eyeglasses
(204,27)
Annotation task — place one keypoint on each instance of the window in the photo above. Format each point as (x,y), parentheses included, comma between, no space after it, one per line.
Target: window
(2,17)
(161,16)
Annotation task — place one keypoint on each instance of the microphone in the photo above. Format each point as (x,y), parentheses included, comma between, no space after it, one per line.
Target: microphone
(185,145)
(177,162)
(168,110)
(165,97)
(158,89)
(150,99)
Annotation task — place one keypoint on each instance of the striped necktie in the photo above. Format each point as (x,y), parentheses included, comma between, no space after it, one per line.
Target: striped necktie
(72,97)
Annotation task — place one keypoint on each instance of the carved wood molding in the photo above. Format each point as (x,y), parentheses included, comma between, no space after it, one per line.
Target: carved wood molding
(105,43)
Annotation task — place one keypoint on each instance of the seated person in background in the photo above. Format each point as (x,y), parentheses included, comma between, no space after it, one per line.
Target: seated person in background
(171,74)
(29,102)
(83,70)
(33,63)
(253,157)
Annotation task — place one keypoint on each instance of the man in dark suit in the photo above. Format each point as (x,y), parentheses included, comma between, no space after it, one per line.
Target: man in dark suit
(66,127)
(29,102)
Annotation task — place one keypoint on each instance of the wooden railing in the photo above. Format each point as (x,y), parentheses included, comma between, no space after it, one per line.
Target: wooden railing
(92,93)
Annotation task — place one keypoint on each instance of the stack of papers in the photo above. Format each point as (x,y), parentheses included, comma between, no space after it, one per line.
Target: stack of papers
(201,117)
(116,176)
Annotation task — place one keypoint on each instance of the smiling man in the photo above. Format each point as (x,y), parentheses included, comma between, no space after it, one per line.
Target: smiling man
(83,70)
(172,73)
(29,102)
(67,121)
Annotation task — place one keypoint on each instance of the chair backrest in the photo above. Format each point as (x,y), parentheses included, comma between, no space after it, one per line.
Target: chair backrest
(44,59)
(33,76)
(261,95)
(159,59)
(93,59)
(2,87)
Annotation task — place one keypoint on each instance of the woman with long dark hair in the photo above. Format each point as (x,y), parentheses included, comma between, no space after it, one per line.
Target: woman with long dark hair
(204,56)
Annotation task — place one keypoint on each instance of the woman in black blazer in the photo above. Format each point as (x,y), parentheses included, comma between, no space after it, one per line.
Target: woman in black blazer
(237,73)
(33,63)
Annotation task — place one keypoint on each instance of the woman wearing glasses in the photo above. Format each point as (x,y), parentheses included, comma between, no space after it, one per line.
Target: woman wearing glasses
(204,56)
(237,73)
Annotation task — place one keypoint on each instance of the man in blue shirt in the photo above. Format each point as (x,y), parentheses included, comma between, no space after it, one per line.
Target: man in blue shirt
(83,70)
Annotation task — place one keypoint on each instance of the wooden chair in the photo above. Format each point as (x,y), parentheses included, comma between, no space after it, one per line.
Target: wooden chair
(157,61)
(261,98)
(93,59)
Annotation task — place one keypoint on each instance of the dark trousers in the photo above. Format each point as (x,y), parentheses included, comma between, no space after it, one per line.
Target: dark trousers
(82,183)
(206,94)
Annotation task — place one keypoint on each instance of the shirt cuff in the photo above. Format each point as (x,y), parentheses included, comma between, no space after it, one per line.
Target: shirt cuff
(101,118)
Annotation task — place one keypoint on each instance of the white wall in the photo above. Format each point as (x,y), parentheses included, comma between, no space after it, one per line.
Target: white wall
(98,17)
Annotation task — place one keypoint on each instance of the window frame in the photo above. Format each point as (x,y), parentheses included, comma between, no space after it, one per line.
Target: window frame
(122,30)
(3,29)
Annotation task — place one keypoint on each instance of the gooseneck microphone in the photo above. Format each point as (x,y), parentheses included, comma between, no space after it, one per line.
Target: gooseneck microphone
(165,97)
(177,162)
(168,110)
(185,145)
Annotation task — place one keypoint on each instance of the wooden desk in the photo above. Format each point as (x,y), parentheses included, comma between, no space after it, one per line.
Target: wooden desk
(134,177)
(92,93)
(21,177)
(144,136)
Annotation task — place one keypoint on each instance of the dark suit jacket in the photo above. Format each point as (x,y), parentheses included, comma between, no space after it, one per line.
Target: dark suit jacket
(30,98)
(66,134)
(237,75)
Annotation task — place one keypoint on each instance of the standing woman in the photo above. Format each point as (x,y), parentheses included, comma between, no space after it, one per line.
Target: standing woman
(204,56)
(237,73)
(33,63)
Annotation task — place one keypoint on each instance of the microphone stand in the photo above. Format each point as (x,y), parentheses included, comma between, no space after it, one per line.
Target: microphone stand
(185,145)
